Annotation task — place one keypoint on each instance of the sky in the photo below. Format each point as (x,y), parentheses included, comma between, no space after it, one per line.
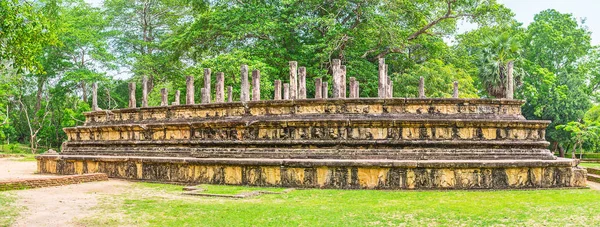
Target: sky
(589,10)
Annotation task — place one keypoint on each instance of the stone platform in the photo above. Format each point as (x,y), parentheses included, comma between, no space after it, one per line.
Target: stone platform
(394,143)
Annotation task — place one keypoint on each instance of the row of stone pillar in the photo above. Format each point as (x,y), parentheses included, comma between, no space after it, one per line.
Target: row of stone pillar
(295,89)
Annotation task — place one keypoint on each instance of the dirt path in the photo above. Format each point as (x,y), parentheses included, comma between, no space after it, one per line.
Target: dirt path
(56,206)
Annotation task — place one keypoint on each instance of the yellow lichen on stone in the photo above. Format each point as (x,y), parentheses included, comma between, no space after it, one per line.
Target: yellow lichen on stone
(233,175)
(410,179)
(443,133)
(322,176)
(371,177)
(447,178)
(517,177)
(465,133)
(139,170)
(489,133)
(272,174)
(78,167)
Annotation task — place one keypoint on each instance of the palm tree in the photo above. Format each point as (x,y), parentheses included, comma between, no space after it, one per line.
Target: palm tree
(496,57)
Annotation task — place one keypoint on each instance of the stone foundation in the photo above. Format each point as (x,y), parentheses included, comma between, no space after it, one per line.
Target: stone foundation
(342,174)
(19,184)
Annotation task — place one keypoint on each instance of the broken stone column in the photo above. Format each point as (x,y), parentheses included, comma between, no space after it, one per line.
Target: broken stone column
(455,93)
(95,97)
(325,91)
(510,85)
(342,82)
(277,88)
(302,83)
(293,85)
(144,91)
(164,101)
(318,88)
(132,95)
(286,91)
(245,90)
(357,89)
(189,91)
(256,85)
(220,94)
(177,94)
(390,87)
(335,69)
(352,88)
(422,87)
(382,89)
(207,78)
(229,94)
(204,95)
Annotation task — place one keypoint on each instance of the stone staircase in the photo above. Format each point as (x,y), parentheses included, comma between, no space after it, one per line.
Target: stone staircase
(593,174)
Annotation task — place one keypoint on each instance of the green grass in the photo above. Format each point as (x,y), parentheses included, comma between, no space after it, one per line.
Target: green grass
(162,205)
(7,211)
(590,164)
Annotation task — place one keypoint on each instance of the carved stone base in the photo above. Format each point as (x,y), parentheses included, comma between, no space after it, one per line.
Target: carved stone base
(324,173)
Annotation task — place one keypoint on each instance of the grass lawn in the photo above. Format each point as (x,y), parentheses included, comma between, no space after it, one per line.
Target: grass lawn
(7,211)
(162,205)
(590,164)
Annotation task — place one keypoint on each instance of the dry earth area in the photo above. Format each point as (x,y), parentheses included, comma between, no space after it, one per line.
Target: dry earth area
(56,206)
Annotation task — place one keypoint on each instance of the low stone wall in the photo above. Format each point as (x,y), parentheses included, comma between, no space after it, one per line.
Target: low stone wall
(343,174)
(8,185)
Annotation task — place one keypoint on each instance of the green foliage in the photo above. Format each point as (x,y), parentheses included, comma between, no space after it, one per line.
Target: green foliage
(439,78)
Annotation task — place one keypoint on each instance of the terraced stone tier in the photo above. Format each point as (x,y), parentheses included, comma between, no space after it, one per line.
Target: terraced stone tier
(330,143)
(328,173)
(401,129)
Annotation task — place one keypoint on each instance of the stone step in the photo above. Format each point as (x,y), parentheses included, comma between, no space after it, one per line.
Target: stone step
(593,178)
(593,171)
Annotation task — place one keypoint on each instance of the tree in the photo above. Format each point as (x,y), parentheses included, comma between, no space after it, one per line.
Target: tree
(556,51)
(580,133)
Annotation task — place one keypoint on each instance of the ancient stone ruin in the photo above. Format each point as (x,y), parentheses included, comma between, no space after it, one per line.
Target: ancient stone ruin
(329,141)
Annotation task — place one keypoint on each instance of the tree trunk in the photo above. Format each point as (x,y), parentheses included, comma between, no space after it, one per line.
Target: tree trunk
(561,151)
(573,152)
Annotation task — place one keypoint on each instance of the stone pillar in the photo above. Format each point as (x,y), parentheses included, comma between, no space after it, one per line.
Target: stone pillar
(342,82)
(229,94)
(256,85)
(325,90)
(132,95)
(245,90)
(204,95)
(318,88)
(510,90)
(302,83)
(357,89)
(352,88)
(144,91)
(390,87)
(286,91)
(455,93)
(335,69)
(277,88)
(422,87)
(189,92)
(389,83)
(220,93)
(293,80)
(164,97)
(95,97)
(177,94)
(207,78)
(382,89)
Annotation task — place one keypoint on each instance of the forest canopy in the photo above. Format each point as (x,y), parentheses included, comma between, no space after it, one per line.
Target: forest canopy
(51,51)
